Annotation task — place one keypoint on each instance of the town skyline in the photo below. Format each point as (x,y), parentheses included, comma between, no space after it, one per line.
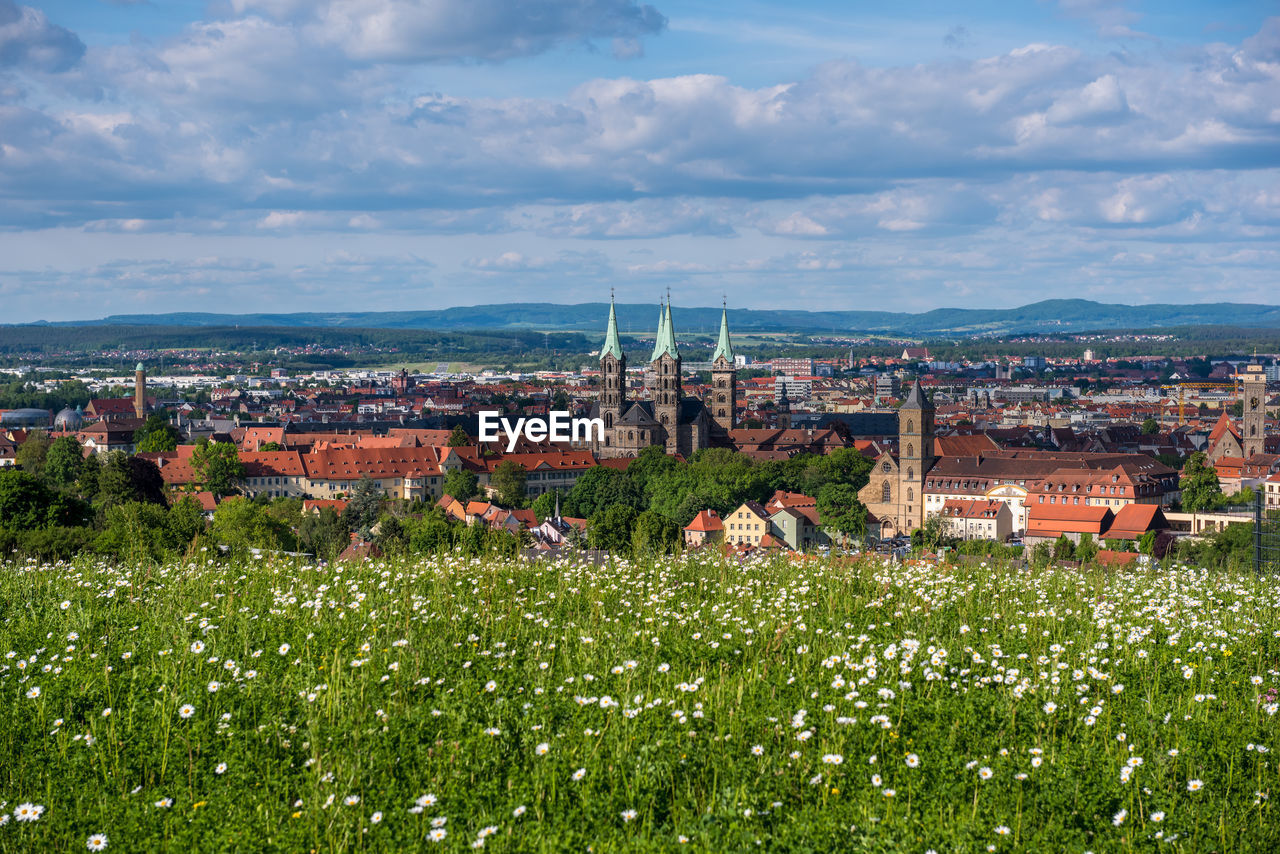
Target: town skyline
(252,155)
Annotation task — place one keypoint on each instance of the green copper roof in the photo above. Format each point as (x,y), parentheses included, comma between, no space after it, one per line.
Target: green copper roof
(611,343)
(724,347)
(139,368)
(666,340)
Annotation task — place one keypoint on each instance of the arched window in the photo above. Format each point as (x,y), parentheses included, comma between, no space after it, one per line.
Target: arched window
(910,493)
(631,435)
(720,397)
(608,419)
(911,474)
(911,450)
(886,494)
(911,426)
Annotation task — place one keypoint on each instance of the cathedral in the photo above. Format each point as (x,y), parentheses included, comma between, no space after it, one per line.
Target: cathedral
(894,494)
(680,424)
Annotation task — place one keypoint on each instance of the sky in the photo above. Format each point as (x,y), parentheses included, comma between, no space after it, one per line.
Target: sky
(367,155)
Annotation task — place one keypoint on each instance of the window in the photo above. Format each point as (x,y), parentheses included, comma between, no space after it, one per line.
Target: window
(910,493)
(885,492)
(911,427)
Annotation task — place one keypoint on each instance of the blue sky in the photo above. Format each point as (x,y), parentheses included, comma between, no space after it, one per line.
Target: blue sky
(300,155)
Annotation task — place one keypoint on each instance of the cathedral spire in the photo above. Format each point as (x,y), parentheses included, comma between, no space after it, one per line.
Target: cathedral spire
(724,347)
(612,345)
(665,343)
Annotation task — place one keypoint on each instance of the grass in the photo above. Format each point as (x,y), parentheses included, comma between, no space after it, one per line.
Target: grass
(787,706)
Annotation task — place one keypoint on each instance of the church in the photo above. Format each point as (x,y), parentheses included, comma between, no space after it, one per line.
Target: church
(668,419)
(894,494)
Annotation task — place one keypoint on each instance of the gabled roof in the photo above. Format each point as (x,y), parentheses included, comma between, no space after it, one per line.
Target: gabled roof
(1134,520)
(1222,427)
(707,521)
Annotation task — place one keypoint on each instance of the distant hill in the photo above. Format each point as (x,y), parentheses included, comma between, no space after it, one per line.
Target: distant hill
(1056,315)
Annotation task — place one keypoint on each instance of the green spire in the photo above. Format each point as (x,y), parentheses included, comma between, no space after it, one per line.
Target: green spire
(139,368)
(666,340)
(611,344)
(724,347)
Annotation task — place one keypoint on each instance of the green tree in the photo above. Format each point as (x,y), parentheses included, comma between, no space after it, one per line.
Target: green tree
(124,479)
(840,510)
(1063,548)
(242,525)
(544,506)
(1147,545)
(1199,484)
(157,435)
(508,480)
(652,533)
(270,446)
(323,534)
(32,452)
(64,463)
(933,534)
(217,465)
(1087,550)
(1150,427)
(363,507)
(610,529)
(462,484)
(27,503)
(458,439)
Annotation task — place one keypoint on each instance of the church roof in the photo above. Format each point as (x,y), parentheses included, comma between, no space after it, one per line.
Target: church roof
(724,348)
(612,346)
(917,399)
(666,340)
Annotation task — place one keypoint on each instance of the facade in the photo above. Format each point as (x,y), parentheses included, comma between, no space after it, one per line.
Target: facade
(705,527)
(748,525)
(679,424)
(988,519)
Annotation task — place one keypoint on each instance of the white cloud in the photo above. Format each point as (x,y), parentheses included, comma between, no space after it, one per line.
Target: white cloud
(29,41)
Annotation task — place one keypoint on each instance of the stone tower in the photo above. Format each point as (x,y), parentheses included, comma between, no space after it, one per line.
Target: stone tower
(665,364)
(140,392)
(782,406)
(613,368)
(1253,384)
(915,455)
(724,379)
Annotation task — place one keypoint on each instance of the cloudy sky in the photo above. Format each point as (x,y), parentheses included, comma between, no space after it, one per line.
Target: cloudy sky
(295,155)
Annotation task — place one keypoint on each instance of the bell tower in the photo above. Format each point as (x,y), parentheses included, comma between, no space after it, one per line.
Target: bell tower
(140,392)
(1253,385)
(915,455)
(724,378)
(613,370)
(666,390)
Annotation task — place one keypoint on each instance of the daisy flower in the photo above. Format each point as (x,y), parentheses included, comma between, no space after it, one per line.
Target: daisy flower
(519,811)
(97,842)
(629,815)
(579,774)
(913,761)
(351,800)
(985,773)
(221,768)
(1194,785)
(758,750)
(28,812)
(437,834)
(186,710)
(542,749)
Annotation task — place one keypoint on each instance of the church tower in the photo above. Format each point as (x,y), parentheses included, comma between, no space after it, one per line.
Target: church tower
(140,392)
(915,455)
(613,368)
(666,369)
(1254,428)
(724,379)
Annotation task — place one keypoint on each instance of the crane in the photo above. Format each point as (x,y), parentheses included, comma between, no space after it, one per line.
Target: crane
(1208,385)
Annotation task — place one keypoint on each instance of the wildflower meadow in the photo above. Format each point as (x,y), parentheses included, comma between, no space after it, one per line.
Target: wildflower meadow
(690,703)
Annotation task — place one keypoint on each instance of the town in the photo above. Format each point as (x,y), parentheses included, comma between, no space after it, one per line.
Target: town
(1087,456)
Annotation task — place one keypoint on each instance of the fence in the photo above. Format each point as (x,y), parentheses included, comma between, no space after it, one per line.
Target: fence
(1266,536)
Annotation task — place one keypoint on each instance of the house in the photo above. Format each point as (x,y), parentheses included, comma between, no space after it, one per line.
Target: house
(797,528)
(1134,520)
(107,436)
(980,519)
(1271,492)
(705,527)
(1048,522)
(747,525)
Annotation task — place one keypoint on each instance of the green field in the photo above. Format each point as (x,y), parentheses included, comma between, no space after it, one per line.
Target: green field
(679,704)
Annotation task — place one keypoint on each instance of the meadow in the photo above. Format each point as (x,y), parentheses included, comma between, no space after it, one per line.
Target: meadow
(690,703)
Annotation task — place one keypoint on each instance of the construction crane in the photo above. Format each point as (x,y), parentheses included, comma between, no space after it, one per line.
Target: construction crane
(1182,387)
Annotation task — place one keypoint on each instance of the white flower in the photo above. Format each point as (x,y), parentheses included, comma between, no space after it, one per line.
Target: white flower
(197,647)
(376,817)
(490,686)
(1256,680)
(185,711)
(284,649)
(106,713)
(758,750)
(493,730)
(875,779)
(913,761)
(832,759)
(66,603)
(351,800)
(519,811)
(221,768)
(542,749)
(33,692)
(437,834)
(213,687)
(164,803)
(427,800)
(1002,830)
(1194,785)
(1050,708)
(1118,818)
(985,773)
(579,774)
(28,812)
(1157,816)
(97,842)
(629,815)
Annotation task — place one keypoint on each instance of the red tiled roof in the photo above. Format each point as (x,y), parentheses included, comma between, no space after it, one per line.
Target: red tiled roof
(1134,520)
(706,521)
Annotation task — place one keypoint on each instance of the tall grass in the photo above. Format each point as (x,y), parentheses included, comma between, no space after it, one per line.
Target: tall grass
(787,705)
